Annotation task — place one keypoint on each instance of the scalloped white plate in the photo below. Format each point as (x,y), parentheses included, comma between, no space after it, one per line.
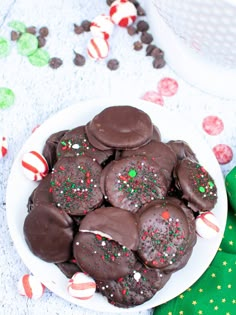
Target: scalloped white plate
(172,127)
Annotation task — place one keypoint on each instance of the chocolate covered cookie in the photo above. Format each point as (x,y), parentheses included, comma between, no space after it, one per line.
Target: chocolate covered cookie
(196,184)
(135,288)
(121,127)
(41,194)
(182,150)
(75,184)
(167,234)
(75,143)
(102,258)
(131,182)
(49,149)
(115,223)
(49,233)
(158,152)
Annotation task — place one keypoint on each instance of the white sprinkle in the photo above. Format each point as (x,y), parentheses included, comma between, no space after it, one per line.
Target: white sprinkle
(165,254)
(177,220)
(88,148)
(125,182)
(81,181)
(61,192)
(103,288)
(77,243)
(75,146)
(94,160)
(58,204)
(137,276)
(119,174)
(127,185)
(161,275)
(103,243)
(85,140)
(152,198)
(95,186)
(170,219)
(111,295)
(155,175)
(105,197)
(118,181)
(171,262)
(145,178)
(141,292)
(86,189)
(136,206)
(91,180)
(95,252)
(173,255)
(107,286)
(118,254)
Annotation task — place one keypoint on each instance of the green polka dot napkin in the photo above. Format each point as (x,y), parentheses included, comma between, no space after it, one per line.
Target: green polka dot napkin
(215,291)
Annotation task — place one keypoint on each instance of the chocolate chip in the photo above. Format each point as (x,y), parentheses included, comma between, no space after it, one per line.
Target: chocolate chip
(41,41)
(113,64)
(142,26)
(31,29)
(86,25)
(43,31)
(157,53)
(78,29)
(109,2)
(79,60)
(15,35)
(140,11)
(138,45)
(149,49)
(146,38)
(158,63)
(131,30)
(55,62)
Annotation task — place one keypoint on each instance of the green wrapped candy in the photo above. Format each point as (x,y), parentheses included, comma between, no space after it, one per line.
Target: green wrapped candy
(230,183)
(17,26)
(4,47)
(39,58)
(7,97)
(27,44)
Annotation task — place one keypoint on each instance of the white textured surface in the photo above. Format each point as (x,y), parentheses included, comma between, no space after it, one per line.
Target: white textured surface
(40,92)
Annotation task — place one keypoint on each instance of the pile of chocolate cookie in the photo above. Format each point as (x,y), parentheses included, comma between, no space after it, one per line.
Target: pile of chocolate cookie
(118,204)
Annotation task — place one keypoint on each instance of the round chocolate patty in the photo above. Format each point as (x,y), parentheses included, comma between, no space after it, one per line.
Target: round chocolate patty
(158,152)
(75,184)
(135,288)
(41,193)
(182,150)
(76,143)
(132,182)
(120,225)
(48,232)
(49,149)
(121,127)
(101,258)
(167,234)
(197,185)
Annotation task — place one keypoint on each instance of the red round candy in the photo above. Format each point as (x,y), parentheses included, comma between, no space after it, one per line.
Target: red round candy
(223,153)
(167,87)
(213,125)
(154,97)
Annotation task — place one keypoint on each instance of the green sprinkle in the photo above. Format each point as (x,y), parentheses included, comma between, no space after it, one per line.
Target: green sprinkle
(132,173)
(27,44)
(7,97)
(201,189)
(18,26)
(39,58)
(211,184)
(4,47)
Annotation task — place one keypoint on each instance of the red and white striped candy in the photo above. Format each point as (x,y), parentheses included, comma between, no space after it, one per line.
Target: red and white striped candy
(81,286)
(207,225)
(102,26)
(98,48)
(3,146)
(31,287)
(123,13)
(35,166)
